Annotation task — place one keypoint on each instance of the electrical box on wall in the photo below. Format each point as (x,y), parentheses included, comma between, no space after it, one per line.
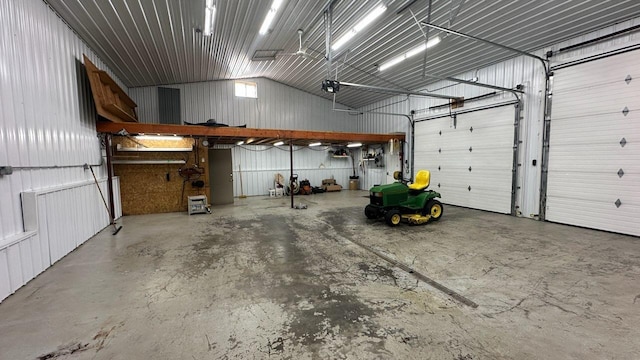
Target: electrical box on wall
(6,170)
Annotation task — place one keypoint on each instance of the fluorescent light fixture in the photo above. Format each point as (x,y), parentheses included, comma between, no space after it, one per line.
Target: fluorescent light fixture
(415,51)
(240,142)
(368,19)
(158,137)
(279,143)
(250,140)
(270,16)
(315,144)
(354,145)
(209,17)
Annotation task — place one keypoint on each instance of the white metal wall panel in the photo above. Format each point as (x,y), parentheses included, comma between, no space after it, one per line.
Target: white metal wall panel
(585,150)
(50,234)
(445,151)
(278,106)
(47,128)
(385,117)
(261,163)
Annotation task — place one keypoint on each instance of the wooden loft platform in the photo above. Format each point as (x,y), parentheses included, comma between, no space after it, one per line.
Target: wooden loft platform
(231,135)
(118,112)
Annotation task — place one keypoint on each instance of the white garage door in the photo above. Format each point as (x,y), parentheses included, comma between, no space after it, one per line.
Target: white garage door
(471,164)
(594,150)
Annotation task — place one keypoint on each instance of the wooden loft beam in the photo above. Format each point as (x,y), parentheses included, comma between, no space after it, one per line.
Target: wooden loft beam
(234,132)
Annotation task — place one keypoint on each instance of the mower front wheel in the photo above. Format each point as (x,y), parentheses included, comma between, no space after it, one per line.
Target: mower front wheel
(434,208)
(371,212)
(393,217)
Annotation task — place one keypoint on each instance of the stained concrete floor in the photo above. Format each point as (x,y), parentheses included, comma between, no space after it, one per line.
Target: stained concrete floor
(259,280)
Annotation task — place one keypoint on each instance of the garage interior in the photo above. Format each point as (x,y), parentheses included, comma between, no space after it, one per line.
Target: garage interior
(155,160)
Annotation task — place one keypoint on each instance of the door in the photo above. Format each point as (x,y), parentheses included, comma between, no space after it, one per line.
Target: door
(470,158)
(593,177)
(220,176)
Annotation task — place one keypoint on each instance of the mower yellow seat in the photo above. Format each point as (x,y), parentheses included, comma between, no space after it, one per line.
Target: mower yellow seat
(422,180)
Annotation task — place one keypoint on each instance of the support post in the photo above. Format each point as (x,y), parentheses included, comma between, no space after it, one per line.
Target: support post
(291,173)
(112,210)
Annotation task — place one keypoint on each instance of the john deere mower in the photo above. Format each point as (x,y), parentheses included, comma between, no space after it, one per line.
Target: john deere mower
(398,201)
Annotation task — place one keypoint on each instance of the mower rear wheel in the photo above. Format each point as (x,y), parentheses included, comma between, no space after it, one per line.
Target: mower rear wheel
(434,208)
(393,217)
(370,212)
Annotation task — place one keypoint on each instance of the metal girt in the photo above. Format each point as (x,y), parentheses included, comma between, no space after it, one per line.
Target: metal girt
(398,91)
(461,81)
(485,41)
(405,6)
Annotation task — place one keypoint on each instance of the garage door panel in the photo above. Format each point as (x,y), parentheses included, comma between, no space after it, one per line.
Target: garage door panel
(599,215)
(583,104)
(478,199)
(596,158)
(585,149)
(600,186)
(602,127)
(495,159)
(444,150)
(476,178)
(608,70)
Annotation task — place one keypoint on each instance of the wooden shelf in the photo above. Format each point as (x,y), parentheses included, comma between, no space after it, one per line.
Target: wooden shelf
(107,80)
(147,162)
(118,111)
(112,103)
(153,149)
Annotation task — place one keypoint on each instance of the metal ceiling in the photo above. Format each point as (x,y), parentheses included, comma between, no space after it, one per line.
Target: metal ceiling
(153,42)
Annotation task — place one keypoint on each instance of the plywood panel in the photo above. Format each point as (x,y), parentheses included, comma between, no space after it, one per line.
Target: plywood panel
(157,188)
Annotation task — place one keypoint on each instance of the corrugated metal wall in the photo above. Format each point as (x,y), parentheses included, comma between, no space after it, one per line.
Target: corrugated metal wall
(278,106)
(260,164)
(519,70)
(47,122)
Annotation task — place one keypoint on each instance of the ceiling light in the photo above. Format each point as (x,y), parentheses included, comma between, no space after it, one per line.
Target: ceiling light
(354,145)
(209,17)
(415,51)
(270,16)
(250,140)
(278,143)
(240,142)
(315,144)
(368,19)
(157,137)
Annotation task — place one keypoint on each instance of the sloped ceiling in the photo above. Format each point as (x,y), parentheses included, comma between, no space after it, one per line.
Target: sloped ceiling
(153,42)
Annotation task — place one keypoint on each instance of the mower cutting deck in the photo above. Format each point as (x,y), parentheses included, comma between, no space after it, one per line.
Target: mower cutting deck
(398,201)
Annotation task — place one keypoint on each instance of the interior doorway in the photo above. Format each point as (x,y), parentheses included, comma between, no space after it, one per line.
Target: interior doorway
(220,176)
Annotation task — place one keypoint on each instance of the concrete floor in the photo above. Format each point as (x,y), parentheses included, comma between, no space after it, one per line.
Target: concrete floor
(259,280)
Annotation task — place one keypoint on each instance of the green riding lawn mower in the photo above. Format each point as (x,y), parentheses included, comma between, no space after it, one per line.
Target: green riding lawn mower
(398,201)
